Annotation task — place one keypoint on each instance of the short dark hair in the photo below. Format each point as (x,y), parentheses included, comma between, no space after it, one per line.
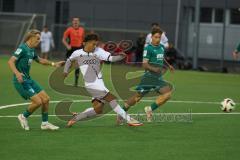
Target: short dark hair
(157,30)
(91,36)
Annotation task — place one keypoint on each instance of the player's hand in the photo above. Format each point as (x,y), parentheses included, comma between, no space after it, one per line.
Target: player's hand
(59,64)
(65,74)
(69,47)
(19,77)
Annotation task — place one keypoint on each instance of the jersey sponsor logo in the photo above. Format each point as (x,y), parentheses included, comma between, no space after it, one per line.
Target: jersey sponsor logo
(159,56)
(90,61)
(18,51)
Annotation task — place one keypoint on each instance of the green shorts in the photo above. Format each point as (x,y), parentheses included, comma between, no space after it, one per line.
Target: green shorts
(28,88)
(151,83)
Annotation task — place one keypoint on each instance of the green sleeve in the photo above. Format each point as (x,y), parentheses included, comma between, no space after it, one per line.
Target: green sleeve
(36,57)
(147,53)
(18,53)
(238,48)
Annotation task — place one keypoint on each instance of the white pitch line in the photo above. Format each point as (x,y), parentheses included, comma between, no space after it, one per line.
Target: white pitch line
(135,114)
(86,100)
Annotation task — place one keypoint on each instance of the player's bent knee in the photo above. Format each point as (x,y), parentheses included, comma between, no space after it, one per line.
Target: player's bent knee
(97,106)
(98,110)
(45,100)
(37,101)
(163,98)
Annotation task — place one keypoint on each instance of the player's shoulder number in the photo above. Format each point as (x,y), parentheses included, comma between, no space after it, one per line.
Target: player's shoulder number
(18,51)
(145,53)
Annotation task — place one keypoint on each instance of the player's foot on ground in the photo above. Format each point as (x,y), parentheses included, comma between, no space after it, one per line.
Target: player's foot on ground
(119,120)
(134,122)
(148,111)
(48,126)
(23,121)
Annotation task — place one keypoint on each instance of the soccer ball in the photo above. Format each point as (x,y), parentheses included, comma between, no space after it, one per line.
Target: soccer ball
(227,105)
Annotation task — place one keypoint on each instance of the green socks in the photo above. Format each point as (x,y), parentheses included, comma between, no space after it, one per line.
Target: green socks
(125,108)
(154,106)
(26,114)
(45,117)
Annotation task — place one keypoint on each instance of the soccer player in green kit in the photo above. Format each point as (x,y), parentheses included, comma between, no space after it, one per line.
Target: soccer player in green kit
(20,64)
(153,63)
(236,52)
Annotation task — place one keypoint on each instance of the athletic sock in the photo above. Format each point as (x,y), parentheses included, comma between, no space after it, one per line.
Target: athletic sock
(116,108)
(89,112)
(26,113)
(45,117)
(154,106)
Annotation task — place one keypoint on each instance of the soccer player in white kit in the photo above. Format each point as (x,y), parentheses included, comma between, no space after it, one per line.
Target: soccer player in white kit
(163,41)
(46,42)
(89,61)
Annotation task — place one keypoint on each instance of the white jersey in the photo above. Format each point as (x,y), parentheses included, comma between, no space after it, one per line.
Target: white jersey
(163,41)
(90,66)
(46,41)
(90,63)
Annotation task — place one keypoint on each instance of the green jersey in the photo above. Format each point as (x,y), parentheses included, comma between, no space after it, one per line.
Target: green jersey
(154,55)
(24,56)
(238,48)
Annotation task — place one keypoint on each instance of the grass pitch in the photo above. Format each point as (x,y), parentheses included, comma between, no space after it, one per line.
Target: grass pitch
(208,135)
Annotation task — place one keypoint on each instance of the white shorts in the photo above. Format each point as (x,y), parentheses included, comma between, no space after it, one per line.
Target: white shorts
(97,89)
(45,48)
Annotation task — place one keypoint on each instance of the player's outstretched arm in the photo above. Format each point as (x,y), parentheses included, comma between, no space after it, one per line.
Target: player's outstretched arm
(119,57)
(50,63)
(11,64)
(67,66)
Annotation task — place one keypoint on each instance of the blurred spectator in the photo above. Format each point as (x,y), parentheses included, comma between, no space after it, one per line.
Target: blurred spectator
(236,52)
(139,48)
(171,54)
(46,42)
(164,39)
(73,39)
(175,58)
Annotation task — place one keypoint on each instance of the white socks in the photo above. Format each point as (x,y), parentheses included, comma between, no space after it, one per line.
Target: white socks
(116,107)
(89,112)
